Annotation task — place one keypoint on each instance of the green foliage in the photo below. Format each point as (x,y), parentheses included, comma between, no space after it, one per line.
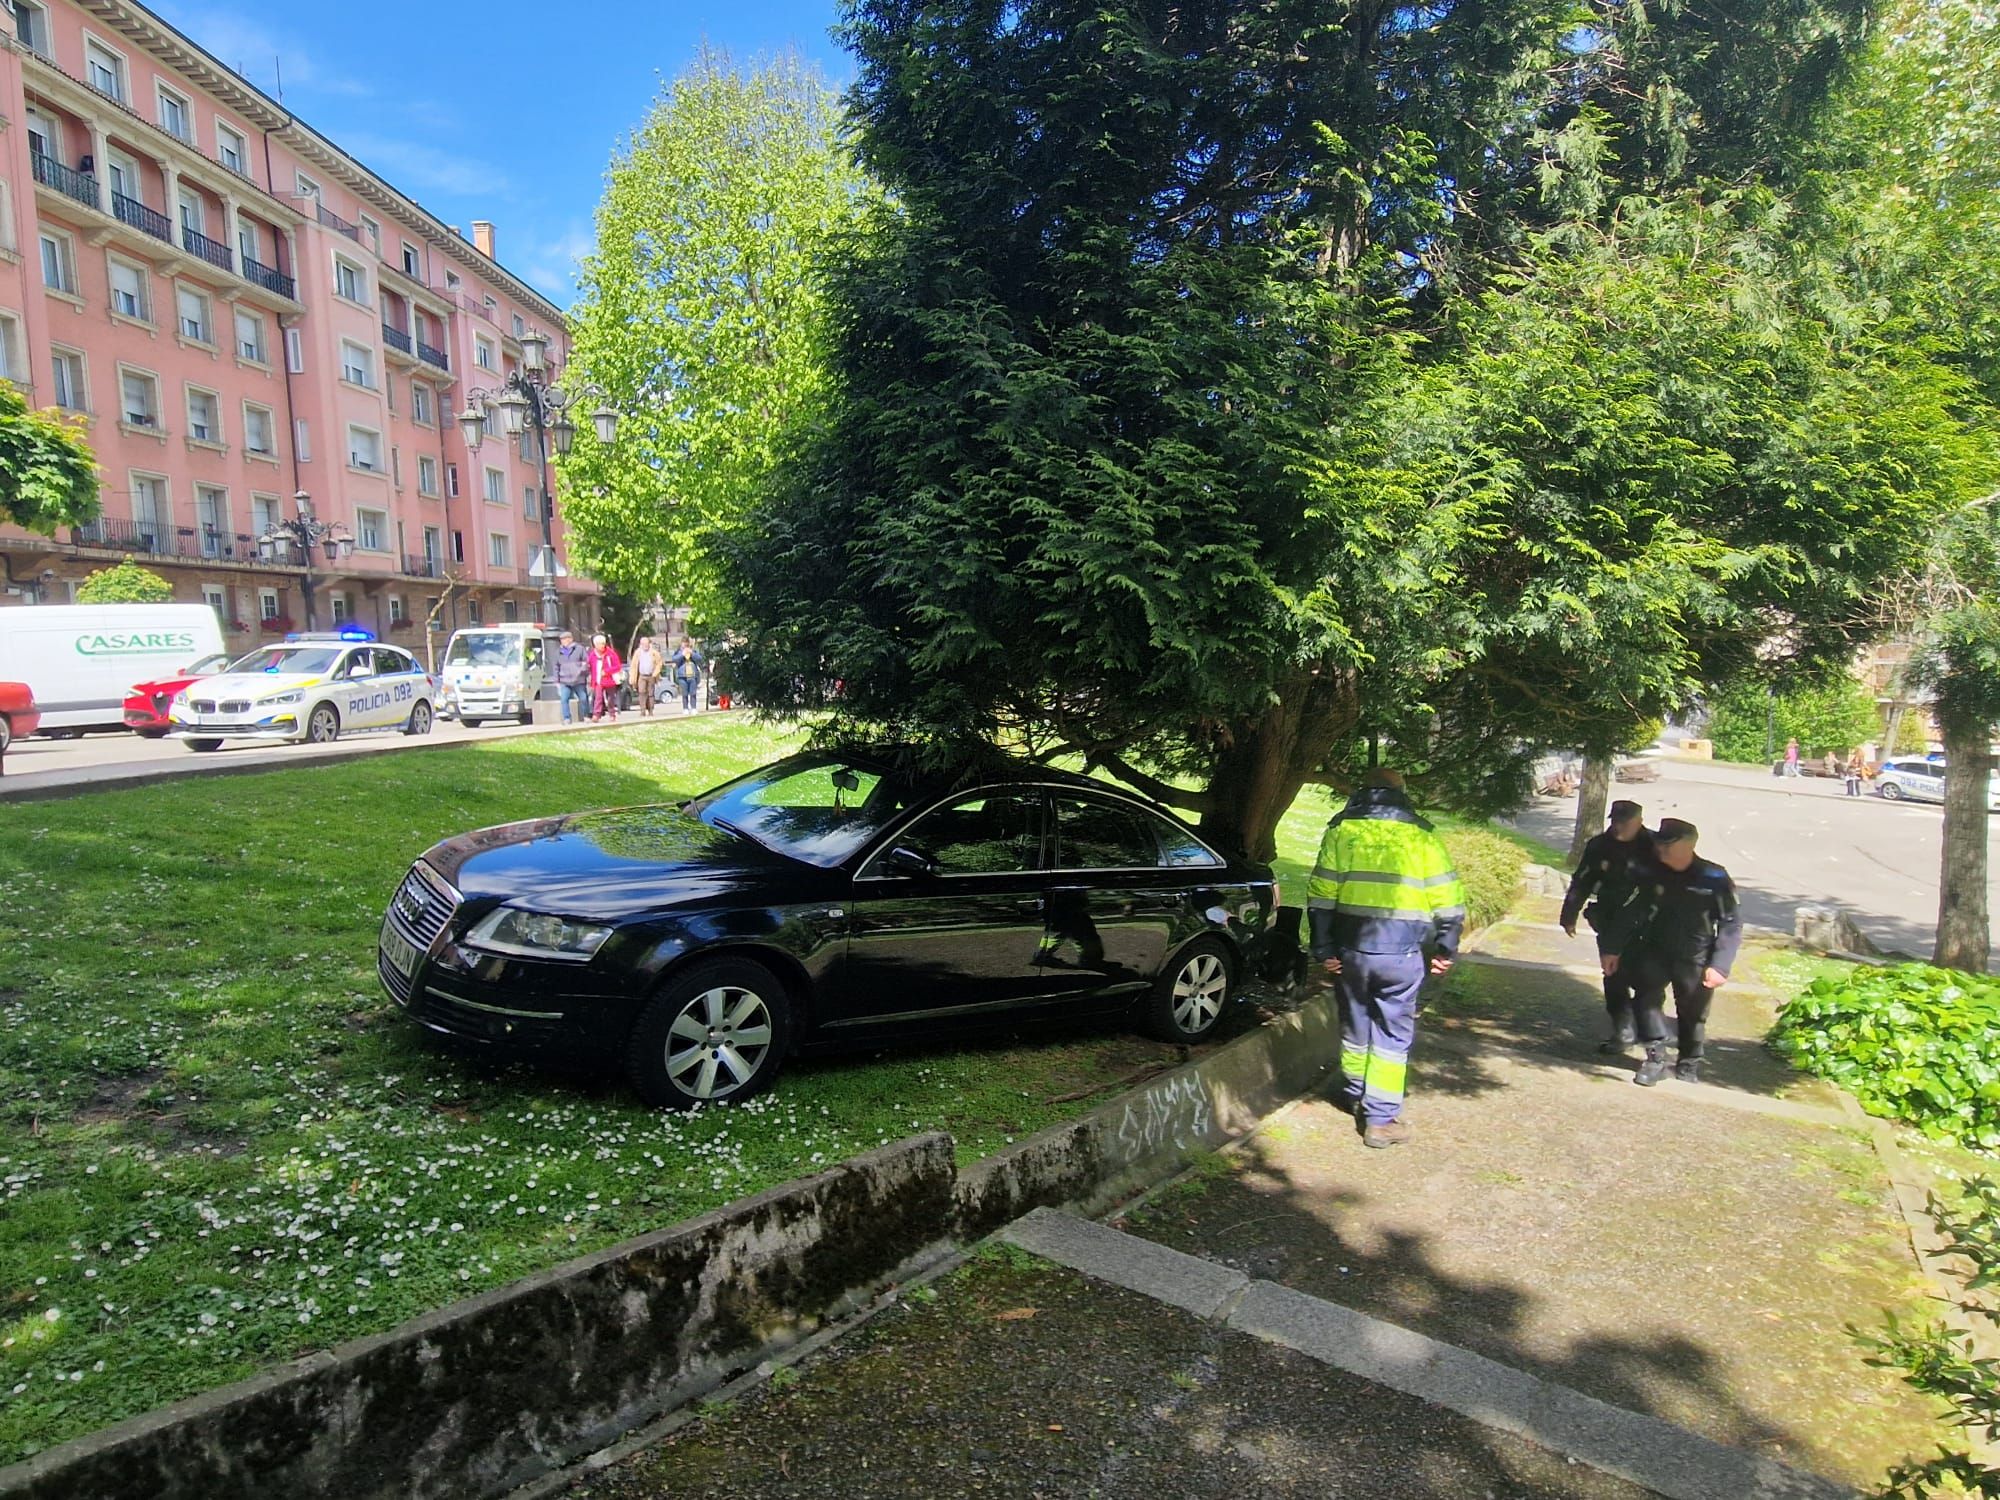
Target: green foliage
(1835,716)
(48,475)
(700,318)
(125,583)
(1910,1042)
(1960,665)
(1490,866)
(1945,1363)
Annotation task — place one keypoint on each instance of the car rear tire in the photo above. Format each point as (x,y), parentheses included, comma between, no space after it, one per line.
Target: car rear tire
(716,1034)
(1191,993)
(323,724)
(203,744)
(1890,791)
(6,734)
(420,719)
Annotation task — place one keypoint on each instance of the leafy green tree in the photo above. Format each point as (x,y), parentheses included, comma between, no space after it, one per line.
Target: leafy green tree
(125,583)
(1747,721)
(48,475)
(699,315)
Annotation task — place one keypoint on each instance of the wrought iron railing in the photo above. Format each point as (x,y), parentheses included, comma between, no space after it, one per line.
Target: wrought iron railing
(431,356)
(423,566)
(395,338)
(216,254)
(334,222)
(66,180)
(259,274)
(152,221)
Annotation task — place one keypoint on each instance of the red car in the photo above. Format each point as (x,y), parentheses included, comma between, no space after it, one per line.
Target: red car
(18,714)
(146,704)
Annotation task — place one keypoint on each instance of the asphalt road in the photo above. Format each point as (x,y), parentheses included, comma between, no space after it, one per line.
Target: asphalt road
(1792,841)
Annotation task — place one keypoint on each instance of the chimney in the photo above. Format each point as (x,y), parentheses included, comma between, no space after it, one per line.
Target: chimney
(482,237)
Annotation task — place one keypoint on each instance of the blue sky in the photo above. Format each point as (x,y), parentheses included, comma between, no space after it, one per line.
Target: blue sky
(501,111)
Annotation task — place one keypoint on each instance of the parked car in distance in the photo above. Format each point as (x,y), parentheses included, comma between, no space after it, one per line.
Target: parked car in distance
(1922,780)
(81,660)
(146,705)
(826,900)
(315,686)
(18,715)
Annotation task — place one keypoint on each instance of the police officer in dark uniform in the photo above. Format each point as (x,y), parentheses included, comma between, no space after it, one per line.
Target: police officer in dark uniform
(1685,941)
(1617,865)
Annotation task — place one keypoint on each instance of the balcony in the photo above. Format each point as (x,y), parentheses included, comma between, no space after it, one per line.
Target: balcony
(139,536)
(432,356)
(334,222)
(216,254)
(150,221)
(259,274)
(424,566)
(68,181)
(402,350)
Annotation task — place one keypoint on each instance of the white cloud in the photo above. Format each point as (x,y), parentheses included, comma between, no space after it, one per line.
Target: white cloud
(423,169)
(549,263)
(261,55)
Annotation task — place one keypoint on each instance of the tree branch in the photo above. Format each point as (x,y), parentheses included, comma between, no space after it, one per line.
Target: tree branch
(1152,786)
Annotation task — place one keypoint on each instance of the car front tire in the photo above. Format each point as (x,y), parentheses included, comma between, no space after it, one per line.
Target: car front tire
(1191,993)
(1890,791)
(420,719)
(323,724)
(471,723)
(203,745)
(716,1034)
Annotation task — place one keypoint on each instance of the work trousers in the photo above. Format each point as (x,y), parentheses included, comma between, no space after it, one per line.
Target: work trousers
(1652,977)
(1618,999)
(647,686)
(1378,1022)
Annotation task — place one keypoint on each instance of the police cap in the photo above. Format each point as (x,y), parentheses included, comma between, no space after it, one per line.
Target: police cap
(1673,830)
(1620,811)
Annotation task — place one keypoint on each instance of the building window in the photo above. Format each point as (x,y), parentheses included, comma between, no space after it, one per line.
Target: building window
(350,281)
(342,610)
(528,506)
(267,603)
(194,217)
(458,546)
(398,610)
(499,548)
(31,25)
(371,530)
(451,482)
(246,240)
(482,352)
(364,449)
(229,148)
(139,394)
(420,404)
(307,188)
(204,417)
(433,549)
(410,262)
(302,447)
(496,487)
(175,119)
(389,390)
(129,289)
(104,70)
(11,366)
(211,514)
(474,614)
(427,475)
(217,599)
(249,337)
(492,307)
(374,232)
(357,364)
(520,325)
(295,352)
(396,466)
(71,392)
(257,430)
(510,611)
(58,264)
(151,515)
(194,316)
(263,513)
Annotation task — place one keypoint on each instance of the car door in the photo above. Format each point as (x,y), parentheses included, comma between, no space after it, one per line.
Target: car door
(403,680)
(960,937)
(1112,903)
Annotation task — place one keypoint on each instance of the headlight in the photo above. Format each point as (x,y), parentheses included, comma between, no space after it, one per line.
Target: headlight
(180,699)
(534,934)
(272,700)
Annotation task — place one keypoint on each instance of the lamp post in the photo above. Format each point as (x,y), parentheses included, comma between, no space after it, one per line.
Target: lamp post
(533,400)
(302,533)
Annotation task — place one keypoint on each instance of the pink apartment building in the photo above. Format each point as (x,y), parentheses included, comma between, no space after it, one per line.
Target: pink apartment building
(240,312)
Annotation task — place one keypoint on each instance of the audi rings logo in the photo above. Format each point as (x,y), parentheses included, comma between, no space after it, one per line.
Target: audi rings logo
(410,904)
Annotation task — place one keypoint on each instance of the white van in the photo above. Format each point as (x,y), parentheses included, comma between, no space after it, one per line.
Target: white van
(82,659)
(491,672)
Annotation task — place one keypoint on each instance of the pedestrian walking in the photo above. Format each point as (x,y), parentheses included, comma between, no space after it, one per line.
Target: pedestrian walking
(605,666)
(1791,757)
(1857,771)
(646,664)
(1616,866)
(572,677)
(1386,907)
(1684,937)
(688,664)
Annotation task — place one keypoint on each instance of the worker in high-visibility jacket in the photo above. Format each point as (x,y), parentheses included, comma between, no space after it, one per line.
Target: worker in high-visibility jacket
(1386,907)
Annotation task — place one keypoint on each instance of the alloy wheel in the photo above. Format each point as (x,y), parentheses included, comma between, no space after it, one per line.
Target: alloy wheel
(718,1041)
(323,728)
(1199,990)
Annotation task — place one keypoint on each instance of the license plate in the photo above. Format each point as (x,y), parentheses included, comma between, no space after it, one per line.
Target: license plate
(402,955)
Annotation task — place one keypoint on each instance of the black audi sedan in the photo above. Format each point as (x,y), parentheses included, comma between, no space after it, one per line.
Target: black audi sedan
(822,901)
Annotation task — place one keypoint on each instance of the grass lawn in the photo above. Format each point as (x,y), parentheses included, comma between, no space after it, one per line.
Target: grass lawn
(220,1145)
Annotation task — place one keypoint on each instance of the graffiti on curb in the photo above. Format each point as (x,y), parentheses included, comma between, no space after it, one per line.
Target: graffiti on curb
(1174,1113)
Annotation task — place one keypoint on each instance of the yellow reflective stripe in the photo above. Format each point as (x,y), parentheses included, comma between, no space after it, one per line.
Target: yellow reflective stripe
(1387,1077)
(1384,913)
(1353,1062)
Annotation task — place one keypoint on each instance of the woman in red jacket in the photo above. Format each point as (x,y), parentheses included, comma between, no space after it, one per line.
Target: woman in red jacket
(605,669)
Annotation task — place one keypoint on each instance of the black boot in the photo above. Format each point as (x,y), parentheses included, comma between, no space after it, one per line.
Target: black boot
(1654,1068)
(1688,1070)
(1618,1044)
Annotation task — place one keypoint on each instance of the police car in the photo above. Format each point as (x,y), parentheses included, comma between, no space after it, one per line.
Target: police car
(1923,781)
(312,686)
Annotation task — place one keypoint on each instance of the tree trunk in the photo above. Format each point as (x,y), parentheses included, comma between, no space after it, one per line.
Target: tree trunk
(1591,800)
(1963,936)
(1259,774)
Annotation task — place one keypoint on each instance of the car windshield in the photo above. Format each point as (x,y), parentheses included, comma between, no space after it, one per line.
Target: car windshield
(287,659)
(821,809)
(205,666)
(494,649)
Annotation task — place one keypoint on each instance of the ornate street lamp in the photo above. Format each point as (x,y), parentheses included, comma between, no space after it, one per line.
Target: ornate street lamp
(302,533)
(533,400)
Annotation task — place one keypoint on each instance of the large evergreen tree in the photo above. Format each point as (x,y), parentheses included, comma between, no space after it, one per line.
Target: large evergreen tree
(1226,387)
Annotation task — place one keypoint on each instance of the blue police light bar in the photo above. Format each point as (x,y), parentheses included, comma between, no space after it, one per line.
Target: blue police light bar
(345,633)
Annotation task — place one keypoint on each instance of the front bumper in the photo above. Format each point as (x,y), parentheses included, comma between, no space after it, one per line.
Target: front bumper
(284,726)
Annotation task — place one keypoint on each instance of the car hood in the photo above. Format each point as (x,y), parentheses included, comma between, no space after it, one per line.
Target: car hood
(609,864)
(256,684)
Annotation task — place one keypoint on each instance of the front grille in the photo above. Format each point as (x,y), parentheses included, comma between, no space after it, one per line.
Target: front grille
(202,705)
(422,905)
(398,985)
(227,705)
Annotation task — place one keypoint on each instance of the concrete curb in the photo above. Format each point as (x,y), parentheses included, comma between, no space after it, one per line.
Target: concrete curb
(492,1393)
(1646,1451)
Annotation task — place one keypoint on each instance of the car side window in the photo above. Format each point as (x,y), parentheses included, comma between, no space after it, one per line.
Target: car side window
(1094,835)
(388,663)
(359,663)
(1180,848)
(994,833)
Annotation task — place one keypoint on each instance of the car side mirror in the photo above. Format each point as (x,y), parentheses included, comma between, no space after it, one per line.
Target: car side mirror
(903,860)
